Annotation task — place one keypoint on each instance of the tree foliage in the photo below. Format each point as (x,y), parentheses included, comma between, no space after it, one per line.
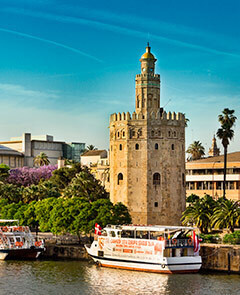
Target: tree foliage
(225,133)
(27,176)
(196,150)
(4,171)
(207,213)
(41,160)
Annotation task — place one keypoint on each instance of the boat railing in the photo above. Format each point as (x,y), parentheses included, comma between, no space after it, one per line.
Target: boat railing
(179,243)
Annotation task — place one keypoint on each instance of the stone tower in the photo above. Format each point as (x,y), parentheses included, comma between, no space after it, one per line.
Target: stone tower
(214,150)
(147,154)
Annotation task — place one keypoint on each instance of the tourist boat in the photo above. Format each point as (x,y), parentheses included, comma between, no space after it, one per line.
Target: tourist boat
(162,249)
(17,242)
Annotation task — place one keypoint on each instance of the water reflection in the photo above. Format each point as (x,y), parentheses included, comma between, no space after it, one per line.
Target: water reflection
(76,277)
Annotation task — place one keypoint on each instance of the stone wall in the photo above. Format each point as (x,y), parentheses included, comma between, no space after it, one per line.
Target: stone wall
(55,251)
(218,257)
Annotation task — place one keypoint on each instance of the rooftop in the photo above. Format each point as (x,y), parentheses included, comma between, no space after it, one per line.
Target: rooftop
(93,153)
(231,157)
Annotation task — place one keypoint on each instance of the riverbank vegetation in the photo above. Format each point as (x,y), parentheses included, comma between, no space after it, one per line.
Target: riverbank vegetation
(65,200)
(210,215)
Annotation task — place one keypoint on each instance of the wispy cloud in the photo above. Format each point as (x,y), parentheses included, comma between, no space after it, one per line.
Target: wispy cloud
(21,34)
(104,25)
(14,93)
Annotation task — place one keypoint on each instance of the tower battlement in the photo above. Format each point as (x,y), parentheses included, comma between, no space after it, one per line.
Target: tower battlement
(163,116)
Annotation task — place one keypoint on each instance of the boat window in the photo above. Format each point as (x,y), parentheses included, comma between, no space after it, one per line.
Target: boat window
(154,235)
(11,240)
(141,234)
(127,234)
(18,239)
(103,233)
(112,234)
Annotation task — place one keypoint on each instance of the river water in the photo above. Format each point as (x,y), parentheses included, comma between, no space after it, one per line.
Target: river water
(78,277)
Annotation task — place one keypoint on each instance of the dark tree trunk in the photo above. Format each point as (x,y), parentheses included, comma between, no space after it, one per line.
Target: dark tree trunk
(224,172)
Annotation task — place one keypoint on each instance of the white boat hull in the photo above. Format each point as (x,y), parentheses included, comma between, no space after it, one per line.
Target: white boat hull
(169,265)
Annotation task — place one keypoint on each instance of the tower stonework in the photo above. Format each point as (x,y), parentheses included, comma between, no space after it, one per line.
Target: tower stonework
(147,154)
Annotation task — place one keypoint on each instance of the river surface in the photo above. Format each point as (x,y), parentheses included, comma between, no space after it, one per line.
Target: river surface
(77,277)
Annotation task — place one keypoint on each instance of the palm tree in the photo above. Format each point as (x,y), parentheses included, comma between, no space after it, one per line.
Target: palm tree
(225,133)
(91,148)
(226,215)
(41,160)
(196,150)
(199,213)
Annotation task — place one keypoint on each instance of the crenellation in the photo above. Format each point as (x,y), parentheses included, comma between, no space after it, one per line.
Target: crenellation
(169,116)
(119,116)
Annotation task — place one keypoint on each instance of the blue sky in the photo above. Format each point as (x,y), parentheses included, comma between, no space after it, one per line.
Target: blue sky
(67,65)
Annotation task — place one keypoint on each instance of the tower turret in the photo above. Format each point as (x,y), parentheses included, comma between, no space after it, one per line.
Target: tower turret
(147,85)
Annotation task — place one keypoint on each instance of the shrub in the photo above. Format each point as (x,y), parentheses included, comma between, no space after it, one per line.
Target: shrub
(233,238)
(210,238)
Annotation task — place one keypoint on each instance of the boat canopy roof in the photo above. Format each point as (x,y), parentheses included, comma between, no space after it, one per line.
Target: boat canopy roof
(8,220)
(155,228)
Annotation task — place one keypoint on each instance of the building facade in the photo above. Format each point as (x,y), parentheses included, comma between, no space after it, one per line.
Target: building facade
(205,176)
(28,147)
(98,163)
(147,154)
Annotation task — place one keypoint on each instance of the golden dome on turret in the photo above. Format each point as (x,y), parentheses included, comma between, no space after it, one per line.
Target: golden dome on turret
(148,54)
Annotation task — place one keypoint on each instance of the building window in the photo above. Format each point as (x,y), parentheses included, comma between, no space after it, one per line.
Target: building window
(172,147)
(169,133)
(140,132)
(152,133)
(120,178)
(120,147)
(156,146)
(137,146)
(159,133)
(174,134)
(118,134)
(123,134)
(155,204)
(156,179)
(133,133)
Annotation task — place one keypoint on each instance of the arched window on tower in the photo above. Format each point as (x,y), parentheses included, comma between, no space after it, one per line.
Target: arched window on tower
(173,147)
(156,146)
(136,146)
(120,178)
(120,147)
(156,179)
(152,133)
(138,105)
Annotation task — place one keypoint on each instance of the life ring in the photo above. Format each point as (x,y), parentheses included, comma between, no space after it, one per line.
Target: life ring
(5,229)
(38,243)
(189,242)
(174,241)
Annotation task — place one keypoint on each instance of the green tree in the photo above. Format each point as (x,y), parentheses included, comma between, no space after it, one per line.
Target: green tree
(196,150)
(85,185)
(43,210)
(43,190)
(4,172)
(226,215)
(199,213)
(63,176)
(10,192)
(225,133)
(41,160)
(192,198)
